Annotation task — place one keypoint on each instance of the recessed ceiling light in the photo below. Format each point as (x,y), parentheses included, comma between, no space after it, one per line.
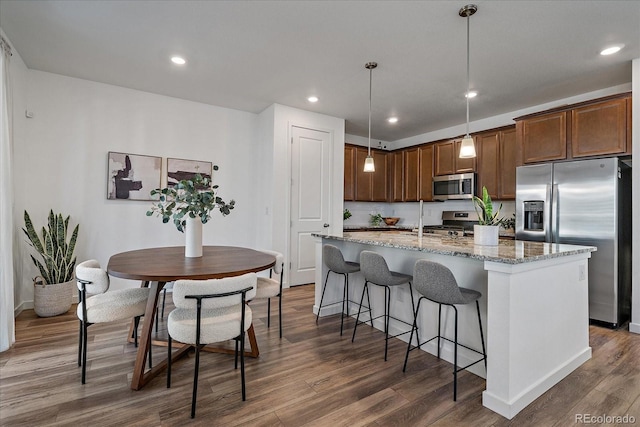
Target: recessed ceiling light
(392,120)
(471,94)
(312,99)
(178,60)
(612,49)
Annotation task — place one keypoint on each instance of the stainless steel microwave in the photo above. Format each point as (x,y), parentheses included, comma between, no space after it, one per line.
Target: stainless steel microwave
(454,187)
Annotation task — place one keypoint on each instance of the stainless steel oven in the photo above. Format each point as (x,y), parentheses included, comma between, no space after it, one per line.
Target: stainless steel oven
(454,187)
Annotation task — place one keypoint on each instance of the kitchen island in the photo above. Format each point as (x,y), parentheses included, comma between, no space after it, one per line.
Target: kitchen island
(534,306)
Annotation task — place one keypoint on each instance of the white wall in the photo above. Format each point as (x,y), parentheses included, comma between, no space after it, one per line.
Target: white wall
(277,197)
(61,164)
(634,326)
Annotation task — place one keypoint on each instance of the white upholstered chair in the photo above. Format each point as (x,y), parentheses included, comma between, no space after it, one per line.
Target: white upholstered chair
(271,287)
(103,306)
(211,311)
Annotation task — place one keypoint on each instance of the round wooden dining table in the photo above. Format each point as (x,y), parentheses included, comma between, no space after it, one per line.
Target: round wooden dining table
(157,266)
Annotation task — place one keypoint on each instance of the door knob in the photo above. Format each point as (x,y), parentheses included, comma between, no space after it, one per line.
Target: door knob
(326,225)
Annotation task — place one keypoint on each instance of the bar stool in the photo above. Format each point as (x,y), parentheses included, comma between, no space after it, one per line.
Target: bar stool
(436,283)
(334,260)
(375,270)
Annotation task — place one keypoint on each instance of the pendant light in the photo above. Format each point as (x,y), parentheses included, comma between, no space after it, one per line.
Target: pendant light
(368,162)
(467,148)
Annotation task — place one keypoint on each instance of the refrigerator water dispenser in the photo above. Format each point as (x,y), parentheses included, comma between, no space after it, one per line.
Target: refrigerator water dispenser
(534,215)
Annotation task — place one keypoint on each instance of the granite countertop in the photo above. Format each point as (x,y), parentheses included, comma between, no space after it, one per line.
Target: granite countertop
(507,251)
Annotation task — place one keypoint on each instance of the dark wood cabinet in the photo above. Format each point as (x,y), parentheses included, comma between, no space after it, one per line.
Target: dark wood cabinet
(462,165)
(397,176)
(497,163)
(447,161)
(379,178)
(507,164)
(594,128)
(370,186)
(349,173)
(411,174)
(425,155)
(443,158)
(543,138)
(488,152)
(599,129)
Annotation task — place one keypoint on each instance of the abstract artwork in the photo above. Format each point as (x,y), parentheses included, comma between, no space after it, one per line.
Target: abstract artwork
(179,169)
(133,176)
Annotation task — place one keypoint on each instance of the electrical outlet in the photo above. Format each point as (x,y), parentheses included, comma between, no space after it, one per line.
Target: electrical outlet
(582,272)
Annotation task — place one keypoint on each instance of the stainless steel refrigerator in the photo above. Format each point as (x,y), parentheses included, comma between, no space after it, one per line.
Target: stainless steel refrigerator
(586,202)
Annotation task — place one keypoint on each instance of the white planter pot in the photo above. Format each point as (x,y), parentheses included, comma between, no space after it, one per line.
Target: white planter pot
(193,242)
(486,235)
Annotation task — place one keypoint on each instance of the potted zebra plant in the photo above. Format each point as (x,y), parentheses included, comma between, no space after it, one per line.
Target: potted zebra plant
(53,288)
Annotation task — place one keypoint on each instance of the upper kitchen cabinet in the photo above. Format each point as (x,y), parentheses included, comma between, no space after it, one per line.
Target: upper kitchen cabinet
(497,163)
(425,155)
(593,128)
(368,186)
(411,174)
(543,138)
(396,160)
(599,129)
(349,172)
(446,159)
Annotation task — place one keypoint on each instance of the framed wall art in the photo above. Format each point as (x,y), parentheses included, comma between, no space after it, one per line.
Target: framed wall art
(132,176)
(179,169)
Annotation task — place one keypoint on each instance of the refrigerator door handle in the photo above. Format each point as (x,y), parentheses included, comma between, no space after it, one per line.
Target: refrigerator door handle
(555,215)
(547,212)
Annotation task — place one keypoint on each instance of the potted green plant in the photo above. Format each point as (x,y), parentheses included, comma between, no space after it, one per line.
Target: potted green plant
(487,232)
(346,214)
(53,288)
(375,220)
(189,204)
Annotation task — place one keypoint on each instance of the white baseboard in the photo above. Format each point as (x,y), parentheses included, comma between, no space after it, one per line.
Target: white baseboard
(634,327)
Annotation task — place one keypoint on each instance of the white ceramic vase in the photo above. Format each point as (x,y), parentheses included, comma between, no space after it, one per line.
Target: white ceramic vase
(193,242)
(486,235)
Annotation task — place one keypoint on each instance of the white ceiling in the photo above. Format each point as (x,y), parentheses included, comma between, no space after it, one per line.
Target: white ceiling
(248,55)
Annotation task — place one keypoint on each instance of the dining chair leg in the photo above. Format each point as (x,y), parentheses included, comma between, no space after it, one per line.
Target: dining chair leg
(169,361)
(195,383)
(235,363)
(136,323)
(439,318)
(268,312)
(80,345)
(84,352)
(280,312)
(244,393)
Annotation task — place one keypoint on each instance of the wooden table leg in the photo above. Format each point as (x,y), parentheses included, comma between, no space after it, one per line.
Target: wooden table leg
(253,342)
(139,378)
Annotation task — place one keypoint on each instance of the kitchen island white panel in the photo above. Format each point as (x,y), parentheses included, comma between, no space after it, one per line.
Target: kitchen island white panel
(534,306)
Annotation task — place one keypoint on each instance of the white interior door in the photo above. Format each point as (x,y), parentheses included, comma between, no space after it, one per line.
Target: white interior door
(310,198)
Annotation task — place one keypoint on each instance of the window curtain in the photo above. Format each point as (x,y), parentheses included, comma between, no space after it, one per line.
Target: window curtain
(7,322)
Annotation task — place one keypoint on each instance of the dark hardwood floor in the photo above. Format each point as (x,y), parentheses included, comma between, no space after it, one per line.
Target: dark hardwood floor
(312,377)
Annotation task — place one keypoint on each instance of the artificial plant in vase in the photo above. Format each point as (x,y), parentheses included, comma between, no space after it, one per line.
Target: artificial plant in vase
(53,288)
(487,230)
(189,204)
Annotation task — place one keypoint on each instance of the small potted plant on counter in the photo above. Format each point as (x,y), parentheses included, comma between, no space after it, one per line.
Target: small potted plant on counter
(346,214)
(486,233)
(375,220)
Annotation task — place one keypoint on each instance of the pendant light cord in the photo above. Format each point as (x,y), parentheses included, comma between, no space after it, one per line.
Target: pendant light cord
(468,78)
(370,77)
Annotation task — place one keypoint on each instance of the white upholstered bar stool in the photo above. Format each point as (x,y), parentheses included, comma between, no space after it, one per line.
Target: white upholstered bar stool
(375,270)
(334,260)
(436,283)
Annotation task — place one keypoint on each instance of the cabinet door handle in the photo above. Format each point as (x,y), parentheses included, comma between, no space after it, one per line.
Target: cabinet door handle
(326,225)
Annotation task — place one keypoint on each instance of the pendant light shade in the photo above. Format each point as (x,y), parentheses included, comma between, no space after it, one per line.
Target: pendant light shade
(369,166)
(467,148)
